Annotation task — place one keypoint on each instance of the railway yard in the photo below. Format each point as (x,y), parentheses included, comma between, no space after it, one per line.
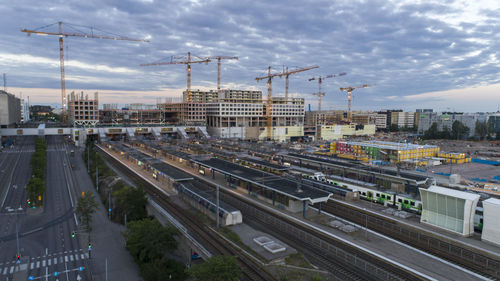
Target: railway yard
(306,203)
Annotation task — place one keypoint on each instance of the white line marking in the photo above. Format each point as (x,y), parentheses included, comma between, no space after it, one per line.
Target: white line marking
(32,265)
(5,270)
(55,260)
(71,257)
(43,263)
(11,269)
(83,256)
(38,264)
(65,258)
(76,257)
(49,262)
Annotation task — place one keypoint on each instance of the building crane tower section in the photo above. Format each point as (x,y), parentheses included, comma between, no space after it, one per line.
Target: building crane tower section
(183,60)
(288,73)
(269,78)
(320,79)
(219,58)
(62,35)
(349,91)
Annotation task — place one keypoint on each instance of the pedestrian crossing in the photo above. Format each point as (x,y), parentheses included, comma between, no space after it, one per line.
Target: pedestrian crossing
(10,267)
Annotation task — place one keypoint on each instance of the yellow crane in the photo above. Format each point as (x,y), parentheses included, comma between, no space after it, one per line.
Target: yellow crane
(219,58)
(62,35)
(349,91)
(269,78)
(320,80)
(184,60)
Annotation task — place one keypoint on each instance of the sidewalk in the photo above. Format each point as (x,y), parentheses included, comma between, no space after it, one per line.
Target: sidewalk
(107,238)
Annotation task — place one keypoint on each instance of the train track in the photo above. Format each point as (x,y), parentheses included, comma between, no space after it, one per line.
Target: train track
(205,235)
(467,258)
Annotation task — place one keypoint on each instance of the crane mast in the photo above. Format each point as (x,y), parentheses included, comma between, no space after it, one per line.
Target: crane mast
(219,58)
(349,92)
(320,79)
(61,35)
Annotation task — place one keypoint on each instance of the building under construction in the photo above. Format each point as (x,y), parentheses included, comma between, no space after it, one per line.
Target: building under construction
(136,114)
(83,111)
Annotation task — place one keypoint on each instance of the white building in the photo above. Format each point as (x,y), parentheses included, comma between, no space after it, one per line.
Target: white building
(25,111)
(491,221)
(248,120)
(381,121)
(449,209)
(10,109)
(403,119)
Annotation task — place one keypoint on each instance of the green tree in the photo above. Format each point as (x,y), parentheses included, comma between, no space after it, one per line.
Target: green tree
(148,240)
(216,268)
(459,130)
(163,269)
(85,208)
(131,202)
(394,128)
(481,129)
(432,132)
(445,133)
(35,188)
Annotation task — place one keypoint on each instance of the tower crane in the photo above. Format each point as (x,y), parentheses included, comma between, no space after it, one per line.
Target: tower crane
(320,80)
(349,91)
(288,73)
(269,78)
(61,35)
(184,60)
(219,58)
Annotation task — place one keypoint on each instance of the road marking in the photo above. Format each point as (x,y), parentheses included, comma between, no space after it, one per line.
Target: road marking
(83,256)
(71,257)
(76,257)
(5,270)
(32,265)
(11,269)
(49,262)
(65,258)
(55,260)
(43,263)
(38,264)
(23,267)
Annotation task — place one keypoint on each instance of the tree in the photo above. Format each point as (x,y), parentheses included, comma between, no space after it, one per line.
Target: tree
(163,269)
(481,129)
(445,133)
(85,208)
(216,268)
(131,202)
(394,128)
(148,240)
(35,188)
(432,132)
(459,130)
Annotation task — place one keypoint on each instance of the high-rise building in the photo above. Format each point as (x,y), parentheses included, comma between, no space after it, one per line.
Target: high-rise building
(25,111)
(10,109)
(403,119)
(446,119)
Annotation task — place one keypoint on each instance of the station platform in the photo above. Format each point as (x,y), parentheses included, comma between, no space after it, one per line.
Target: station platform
(432,267)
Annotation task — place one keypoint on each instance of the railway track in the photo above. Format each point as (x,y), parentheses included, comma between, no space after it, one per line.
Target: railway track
(467,258)
(205,235)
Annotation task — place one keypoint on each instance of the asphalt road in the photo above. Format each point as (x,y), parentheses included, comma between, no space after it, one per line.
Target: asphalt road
(44,238)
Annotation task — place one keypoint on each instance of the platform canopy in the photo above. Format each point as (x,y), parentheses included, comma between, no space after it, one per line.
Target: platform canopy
(449,209)
(491,226)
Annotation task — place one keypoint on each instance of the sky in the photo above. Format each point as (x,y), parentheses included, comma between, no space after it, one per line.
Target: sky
(443,55)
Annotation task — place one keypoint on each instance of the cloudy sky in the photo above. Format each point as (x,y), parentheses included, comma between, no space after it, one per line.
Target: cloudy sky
(419,54)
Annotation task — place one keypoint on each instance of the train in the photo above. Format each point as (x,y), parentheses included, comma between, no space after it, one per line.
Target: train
(369,192)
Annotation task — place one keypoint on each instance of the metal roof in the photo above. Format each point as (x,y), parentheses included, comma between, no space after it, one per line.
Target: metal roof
(453,193)
(267,180)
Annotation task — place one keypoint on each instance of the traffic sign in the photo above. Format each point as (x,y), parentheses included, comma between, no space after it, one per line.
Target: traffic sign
(31,277)
(81,268)
(109,210)
(56,273)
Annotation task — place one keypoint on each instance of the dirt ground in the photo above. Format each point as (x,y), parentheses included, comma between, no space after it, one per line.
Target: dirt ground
(470,170)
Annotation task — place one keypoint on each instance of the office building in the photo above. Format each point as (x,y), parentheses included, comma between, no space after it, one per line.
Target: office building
(10,110)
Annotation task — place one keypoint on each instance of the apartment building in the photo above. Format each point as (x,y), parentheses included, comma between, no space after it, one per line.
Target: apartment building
(83,112)
(381,121)
(25,111)
(227,95)
(246,119)
(403,119)
(446,119)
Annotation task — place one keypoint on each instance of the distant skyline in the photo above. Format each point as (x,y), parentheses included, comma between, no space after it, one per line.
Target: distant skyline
(420,54)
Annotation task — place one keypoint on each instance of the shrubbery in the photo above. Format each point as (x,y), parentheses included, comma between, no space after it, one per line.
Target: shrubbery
(36,185)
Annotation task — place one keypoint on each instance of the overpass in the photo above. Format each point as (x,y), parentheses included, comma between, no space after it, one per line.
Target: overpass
(80,135)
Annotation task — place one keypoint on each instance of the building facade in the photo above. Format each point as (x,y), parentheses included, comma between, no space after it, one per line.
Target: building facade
(83,112)
(381,121)
(10,110)
(337,132)
(446,119)
(130,115)
(25,111)
(403,119)
(248,120)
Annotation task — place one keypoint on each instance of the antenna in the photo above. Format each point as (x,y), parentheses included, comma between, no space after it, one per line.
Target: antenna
(5,82)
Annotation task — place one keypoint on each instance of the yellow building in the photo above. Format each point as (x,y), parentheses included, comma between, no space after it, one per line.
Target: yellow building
(337,132)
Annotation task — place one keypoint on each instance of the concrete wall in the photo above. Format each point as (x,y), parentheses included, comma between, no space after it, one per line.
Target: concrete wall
(10,109)
(491,221)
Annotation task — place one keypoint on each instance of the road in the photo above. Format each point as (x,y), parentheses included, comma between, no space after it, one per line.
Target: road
(45,242)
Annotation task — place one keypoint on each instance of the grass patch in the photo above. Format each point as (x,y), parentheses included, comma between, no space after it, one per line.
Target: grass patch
(299,260)
(231,235)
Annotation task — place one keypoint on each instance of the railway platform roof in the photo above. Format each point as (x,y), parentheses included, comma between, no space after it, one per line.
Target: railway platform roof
(172,172)
(389,172)
(266,164)
(266,180)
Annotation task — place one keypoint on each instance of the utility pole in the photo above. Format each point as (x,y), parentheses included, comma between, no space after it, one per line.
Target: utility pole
(97,178)
(217,215)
